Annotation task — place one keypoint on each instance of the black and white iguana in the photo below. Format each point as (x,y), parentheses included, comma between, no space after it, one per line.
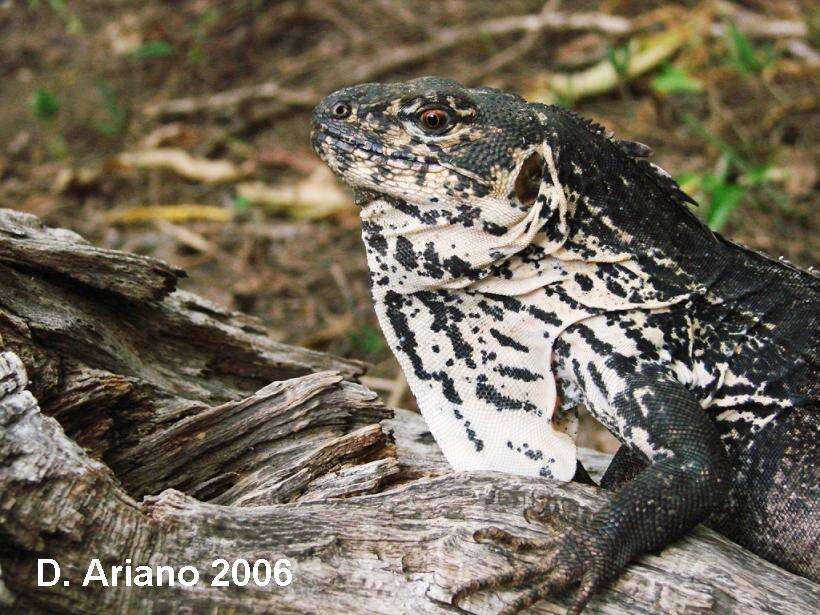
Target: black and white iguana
(523,261)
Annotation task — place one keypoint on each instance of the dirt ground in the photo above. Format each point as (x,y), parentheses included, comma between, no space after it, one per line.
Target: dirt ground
(731,111)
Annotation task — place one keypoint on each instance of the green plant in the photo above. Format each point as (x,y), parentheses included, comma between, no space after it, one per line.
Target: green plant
(747,58)
(45,105)
(154,49)
(202,28)
(620,57)
(723,190)
(675,80)
(367,340)
(114,118)
(242,203)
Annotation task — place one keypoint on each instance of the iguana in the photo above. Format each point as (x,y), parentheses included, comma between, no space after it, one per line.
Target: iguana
(524,261)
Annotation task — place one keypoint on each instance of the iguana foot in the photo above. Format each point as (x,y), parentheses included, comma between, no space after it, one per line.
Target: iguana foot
(576,555)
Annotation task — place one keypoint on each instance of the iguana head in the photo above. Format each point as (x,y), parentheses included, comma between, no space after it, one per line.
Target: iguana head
(451,179)
(429,140)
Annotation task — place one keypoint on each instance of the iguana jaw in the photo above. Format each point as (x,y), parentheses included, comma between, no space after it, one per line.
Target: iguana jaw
(364,162)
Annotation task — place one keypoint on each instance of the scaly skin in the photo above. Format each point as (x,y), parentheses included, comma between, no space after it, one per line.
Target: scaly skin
(519,256)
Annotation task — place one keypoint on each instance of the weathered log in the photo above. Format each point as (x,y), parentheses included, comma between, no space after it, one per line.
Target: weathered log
(150,434)
(118,355)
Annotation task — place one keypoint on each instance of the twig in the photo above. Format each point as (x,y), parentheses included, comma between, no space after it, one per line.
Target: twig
(397,387)
(804,51)
(341,281)
(316,196)
(512,53)
(182,163)
(330,12)
(402,13)
(446,38)
(756,25)
(378,384)
(230,99)
(185,236)
(801,104)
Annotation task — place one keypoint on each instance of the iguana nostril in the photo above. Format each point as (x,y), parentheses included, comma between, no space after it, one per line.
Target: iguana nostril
(340,110)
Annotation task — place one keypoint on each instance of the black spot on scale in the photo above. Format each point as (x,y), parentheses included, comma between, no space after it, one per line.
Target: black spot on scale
(622,364)
(545,317)
(432,263)
(486,391)
(509,303)
(507,341)
(425,217)
(535,455)
(518,373)
(494,312)
(471,436)
(460,268)
(646,349)
(405,254)
(599,347)
(560,349)
(584,282)
(467,215)
(493,229)
(615,288)
(374,237)
(502,270)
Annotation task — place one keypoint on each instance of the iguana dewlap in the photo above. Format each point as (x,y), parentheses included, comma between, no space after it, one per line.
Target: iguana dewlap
(518,254)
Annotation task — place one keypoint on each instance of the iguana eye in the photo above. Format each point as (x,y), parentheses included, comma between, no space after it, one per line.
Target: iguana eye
(435,121)
(341,110)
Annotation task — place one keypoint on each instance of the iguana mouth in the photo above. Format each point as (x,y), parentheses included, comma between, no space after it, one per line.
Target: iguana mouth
(323,136)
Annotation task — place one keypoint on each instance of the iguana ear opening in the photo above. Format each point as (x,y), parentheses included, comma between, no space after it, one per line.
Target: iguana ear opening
(528,182)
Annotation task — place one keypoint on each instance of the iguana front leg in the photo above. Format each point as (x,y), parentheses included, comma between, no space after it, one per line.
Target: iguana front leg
(688,479)
(625,465)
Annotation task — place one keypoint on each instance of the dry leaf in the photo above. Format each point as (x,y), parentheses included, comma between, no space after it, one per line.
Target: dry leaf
(182,163)
(317,196)
(169,213)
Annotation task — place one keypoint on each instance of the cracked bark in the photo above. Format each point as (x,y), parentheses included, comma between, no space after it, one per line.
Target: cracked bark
(140,422)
